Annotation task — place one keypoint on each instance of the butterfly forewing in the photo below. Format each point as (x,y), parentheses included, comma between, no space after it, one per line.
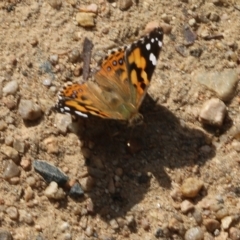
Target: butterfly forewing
(141,59)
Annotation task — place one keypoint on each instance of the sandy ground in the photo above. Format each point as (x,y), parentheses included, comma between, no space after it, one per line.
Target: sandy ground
(134,192)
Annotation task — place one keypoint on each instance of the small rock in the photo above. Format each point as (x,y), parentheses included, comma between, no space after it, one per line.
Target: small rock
(51,145)
(10,88)
(47,82)
(12,213)
(62,121)
(28,194)
(234,233)
(125,4)
(11,170)
(10,152)
(74,56)
(211,224)
(191,187)
(5,235)
(52,191)
(87,183)
(223,83)
(130,220)
(145,224)
(114,224)
(90,8)
(192,22)
(8,140)
(19,145)
(197,216)
(25,217)
(89,231)
(25,163)
(186,206)
(226,222)
(213,112)
(29,110)
(76,191)
(222,213)
(56,4)
(195,233)
(175,225)
(49,172)
(53,59)
(85,19)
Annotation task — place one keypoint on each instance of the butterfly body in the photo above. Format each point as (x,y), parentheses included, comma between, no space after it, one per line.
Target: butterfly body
(120,83)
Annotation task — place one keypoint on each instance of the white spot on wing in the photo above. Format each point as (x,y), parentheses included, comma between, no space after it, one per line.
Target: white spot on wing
(67,109)
(159,43)
(148,46)
(81,114)
(153,59)
(152,40)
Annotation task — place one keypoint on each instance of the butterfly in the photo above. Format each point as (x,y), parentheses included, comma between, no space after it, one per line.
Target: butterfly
(120,84)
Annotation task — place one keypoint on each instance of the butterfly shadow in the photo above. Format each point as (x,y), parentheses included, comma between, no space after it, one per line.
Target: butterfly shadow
(127,162)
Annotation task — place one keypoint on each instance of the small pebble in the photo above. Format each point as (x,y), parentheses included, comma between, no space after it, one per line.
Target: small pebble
(197,216)
(11,170)
(51,144)
(90,8)
(192,22)
(47,82)
(223,83)
(5,235)
(114,224)
(213,112)
(28,194)
(234,233)
(65,226)
(56,4)
(191,187)
(186,206)
(74,56)
(145,224)
(52,191)
(211,224)
(12,213)
(85,19)
(29,110)
(62,121)
(25,163)
(31,181)
(195,233)
(25,217)
(125,4)
(53,59)
(9,140)
(226,222)
(50,173)
(175,225)
(89,231)
(10,88)
(87,183)
(19,145)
